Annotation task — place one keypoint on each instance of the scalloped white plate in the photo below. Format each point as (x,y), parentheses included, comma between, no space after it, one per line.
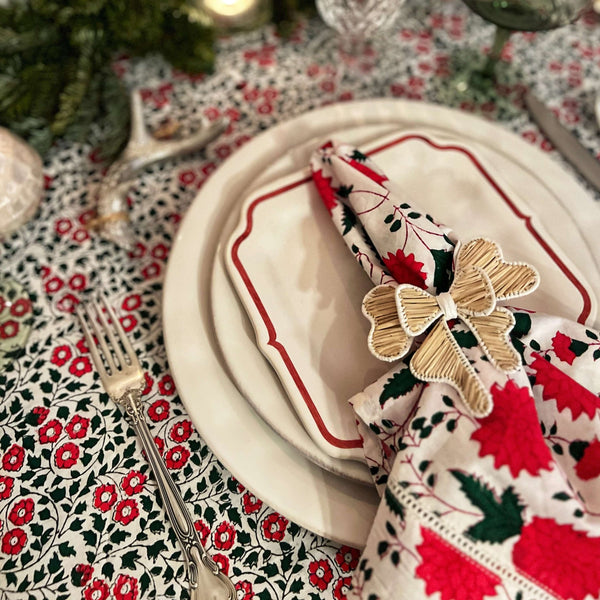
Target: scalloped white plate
(303,289)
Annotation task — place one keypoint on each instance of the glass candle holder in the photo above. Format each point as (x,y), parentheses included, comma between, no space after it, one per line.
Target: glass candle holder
(235,15)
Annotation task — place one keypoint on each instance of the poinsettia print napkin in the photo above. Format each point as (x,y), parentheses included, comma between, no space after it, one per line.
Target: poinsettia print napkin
(506,506)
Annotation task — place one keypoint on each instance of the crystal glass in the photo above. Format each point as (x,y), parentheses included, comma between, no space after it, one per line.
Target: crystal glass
(519,15)
(359,22)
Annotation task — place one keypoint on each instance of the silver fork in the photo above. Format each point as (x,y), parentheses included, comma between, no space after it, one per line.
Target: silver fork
(123,379)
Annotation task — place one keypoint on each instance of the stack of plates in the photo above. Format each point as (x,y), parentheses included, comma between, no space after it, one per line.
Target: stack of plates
(262,299)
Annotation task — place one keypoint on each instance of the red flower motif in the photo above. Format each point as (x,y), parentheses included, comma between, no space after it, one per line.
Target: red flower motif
(514,442)
(133,482)
(77,427)
(160,444)
(151,271)
(80,366)
(149,383)
(9,329)
(97,590)
(83,574)
(589,465)
(126,511)
(77,282)
(105,496)
(67,455)
(81,345)
(222,561)
(13,458)
(53,284)
(203,531)
(67,303)
(181,431)
(176,457)
(274,527)
(131,302)
(159,410)
(80,235)
(126,588)
(566,391)
(341,588)
(62,226)
(245,587)
(6,485)
(325,190)
(251,503)
(446,570)
(224,536)
(320,574)
(20,307)
(561,343)
(139,251)
(160,251)
(347,558)
(405,269)
(166,386)
(22,512)
(41,412)
(560,558)
(187,177)
(128,322)
(14,541)
(50,432)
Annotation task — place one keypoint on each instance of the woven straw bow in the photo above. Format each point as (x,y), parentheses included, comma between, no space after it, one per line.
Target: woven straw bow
(481,278)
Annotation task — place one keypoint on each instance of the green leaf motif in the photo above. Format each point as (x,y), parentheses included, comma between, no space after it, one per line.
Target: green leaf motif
(344,191)
(465,339)
(577,449)
(399,384)
(393,504)
(502,516)
(522,325)
(577,347)
(443,269)
(348,220)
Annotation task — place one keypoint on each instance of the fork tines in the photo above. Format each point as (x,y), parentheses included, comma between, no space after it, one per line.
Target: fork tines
(102,329)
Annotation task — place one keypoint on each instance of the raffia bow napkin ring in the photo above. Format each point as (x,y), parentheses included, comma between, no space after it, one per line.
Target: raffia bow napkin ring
(481,278)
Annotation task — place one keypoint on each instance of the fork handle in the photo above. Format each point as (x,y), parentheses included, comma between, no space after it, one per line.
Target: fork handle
(205,579)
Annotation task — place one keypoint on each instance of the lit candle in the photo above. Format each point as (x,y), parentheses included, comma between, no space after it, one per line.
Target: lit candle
(236,14)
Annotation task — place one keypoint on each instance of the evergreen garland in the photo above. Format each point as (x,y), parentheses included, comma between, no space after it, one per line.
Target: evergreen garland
(56,78)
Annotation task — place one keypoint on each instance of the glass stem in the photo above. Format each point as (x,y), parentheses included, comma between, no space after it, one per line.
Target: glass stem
(500,38)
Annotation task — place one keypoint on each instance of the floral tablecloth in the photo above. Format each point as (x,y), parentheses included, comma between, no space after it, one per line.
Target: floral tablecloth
(79,514)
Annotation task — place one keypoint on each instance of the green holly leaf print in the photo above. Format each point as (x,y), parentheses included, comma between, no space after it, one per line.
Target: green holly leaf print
(344,191)
(465,339)
(359,156)
(394,505)
(443,269)
(502,516)
(522,325)
(348,220)
(397,385)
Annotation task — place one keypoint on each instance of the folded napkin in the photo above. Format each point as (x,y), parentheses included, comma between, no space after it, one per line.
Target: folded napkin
(488,466)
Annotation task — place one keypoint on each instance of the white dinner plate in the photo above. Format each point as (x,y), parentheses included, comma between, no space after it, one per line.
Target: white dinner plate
(303,289)
(255,454)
